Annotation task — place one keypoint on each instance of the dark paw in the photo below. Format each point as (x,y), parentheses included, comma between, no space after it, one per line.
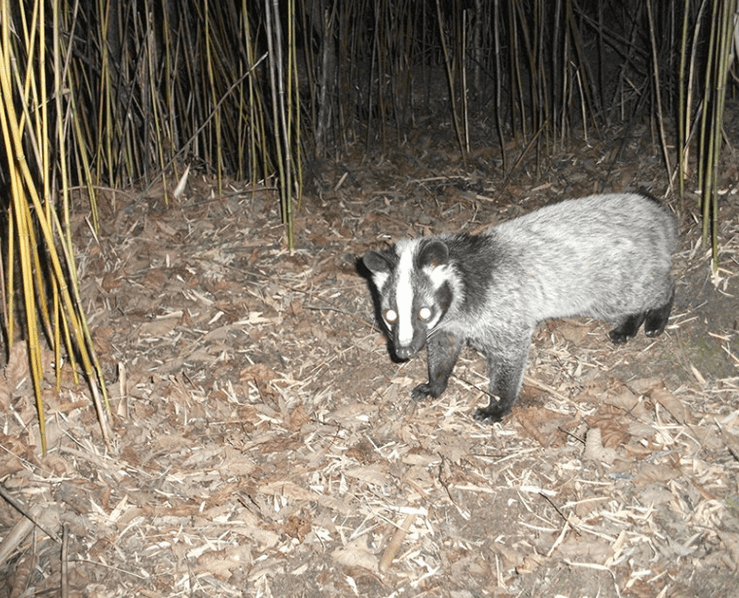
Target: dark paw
(656,319)
(627,329)
(490,414)
(427,389)
(618,337)
(421,391)
(651,333)
(655,325)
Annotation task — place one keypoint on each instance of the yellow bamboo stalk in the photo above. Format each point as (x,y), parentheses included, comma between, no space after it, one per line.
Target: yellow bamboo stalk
(9,126)
(64,178)
(24,194)
(11,279)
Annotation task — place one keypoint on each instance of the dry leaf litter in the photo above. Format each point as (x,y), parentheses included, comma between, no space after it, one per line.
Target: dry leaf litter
(265,444)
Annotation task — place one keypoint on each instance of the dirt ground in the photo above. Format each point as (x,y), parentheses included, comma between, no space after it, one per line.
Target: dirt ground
(263,442)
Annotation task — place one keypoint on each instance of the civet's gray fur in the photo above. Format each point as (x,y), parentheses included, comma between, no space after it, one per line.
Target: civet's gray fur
(603,256)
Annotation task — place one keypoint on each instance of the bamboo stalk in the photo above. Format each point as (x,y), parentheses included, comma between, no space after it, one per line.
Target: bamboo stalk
(658,92)
(498,81)
(24,194)
(145,89)
(724,42)
(451,83)
(276,77)
(212,88)
(683,115)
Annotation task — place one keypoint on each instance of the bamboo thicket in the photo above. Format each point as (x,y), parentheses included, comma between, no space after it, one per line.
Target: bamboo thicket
(127,93)
(119,94)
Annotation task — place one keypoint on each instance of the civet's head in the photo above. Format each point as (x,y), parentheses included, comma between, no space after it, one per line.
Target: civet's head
(415,282)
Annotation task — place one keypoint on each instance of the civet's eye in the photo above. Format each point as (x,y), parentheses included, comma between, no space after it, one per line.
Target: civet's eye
(391,316)
(424,313)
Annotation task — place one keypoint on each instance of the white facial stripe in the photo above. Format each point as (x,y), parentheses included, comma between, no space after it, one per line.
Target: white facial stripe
(431,324)
(380,279)
(438,276)
(404,296)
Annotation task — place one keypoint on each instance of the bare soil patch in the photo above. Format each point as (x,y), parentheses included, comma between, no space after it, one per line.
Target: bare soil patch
(265,444)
